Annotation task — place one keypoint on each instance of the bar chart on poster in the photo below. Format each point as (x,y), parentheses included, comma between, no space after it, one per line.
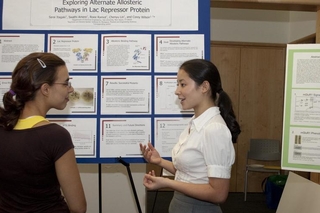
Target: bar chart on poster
(122,57)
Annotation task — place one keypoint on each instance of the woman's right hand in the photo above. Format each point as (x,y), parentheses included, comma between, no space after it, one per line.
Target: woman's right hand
(150,154)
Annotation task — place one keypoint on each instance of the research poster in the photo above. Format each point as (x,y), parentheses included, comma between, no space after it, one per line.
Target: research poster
(122,56)
(301,128)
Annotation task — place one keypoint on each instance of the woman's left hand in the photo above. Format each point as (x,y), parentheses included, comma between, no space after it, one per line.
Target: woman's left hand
(152,182)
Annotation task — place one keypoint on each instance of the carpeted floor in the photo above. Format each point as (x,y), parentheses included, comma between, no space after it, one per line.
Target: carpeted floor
(256,203)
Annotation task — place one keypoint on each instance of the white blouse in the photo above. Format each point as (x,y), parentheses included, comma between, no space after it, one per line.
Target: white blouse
(205,149)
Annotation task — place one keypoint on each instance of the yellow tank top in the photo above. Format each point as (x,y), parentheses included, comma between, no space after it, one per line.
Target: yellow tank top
(28,122)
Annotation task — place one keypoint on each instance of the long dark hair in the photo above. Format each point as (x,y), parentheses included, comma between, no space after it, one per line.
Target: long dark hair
(201,70)
(29,74)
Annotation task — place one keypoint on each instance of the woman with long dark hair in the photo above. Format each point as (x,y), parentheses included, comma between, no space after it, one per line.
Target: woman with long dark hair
(203,157)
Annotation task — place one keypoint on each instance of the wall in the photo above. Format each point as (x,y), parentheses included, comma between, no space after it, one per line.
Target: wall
(237,25)
(301,24)
(244,25)
(117,194)
(262,26)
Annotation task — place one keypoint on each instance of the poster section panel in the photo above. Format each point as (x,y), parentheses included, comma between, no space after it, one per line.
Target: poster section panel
(120,137)
(83,134)
(125,53)
(167,131)
(166,102)
(79,51)
(13,47)
(171,50)
(83,100)
(124,95)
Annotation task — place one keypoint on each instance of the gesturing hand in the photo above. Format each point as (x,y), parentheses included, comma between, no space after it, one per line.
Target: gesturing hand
(152,182)
(150,154)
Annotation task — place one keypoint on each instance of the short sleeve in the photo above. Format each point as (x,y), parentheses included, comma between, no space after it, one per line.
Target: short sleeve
(218,150)
(58,142)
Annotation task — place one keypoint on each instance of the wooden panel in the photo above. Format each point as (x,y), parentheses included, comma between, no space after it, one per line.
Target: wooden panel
(315,177)
(302,2)
(318,26)
(268,5)
(227,60)
(264,6)
(261,103)
(257,95)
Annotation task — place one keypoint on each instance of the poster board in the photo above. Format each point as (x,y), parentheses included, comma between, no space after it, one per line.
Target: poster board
(299,195)
(301,123)
(122,58)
